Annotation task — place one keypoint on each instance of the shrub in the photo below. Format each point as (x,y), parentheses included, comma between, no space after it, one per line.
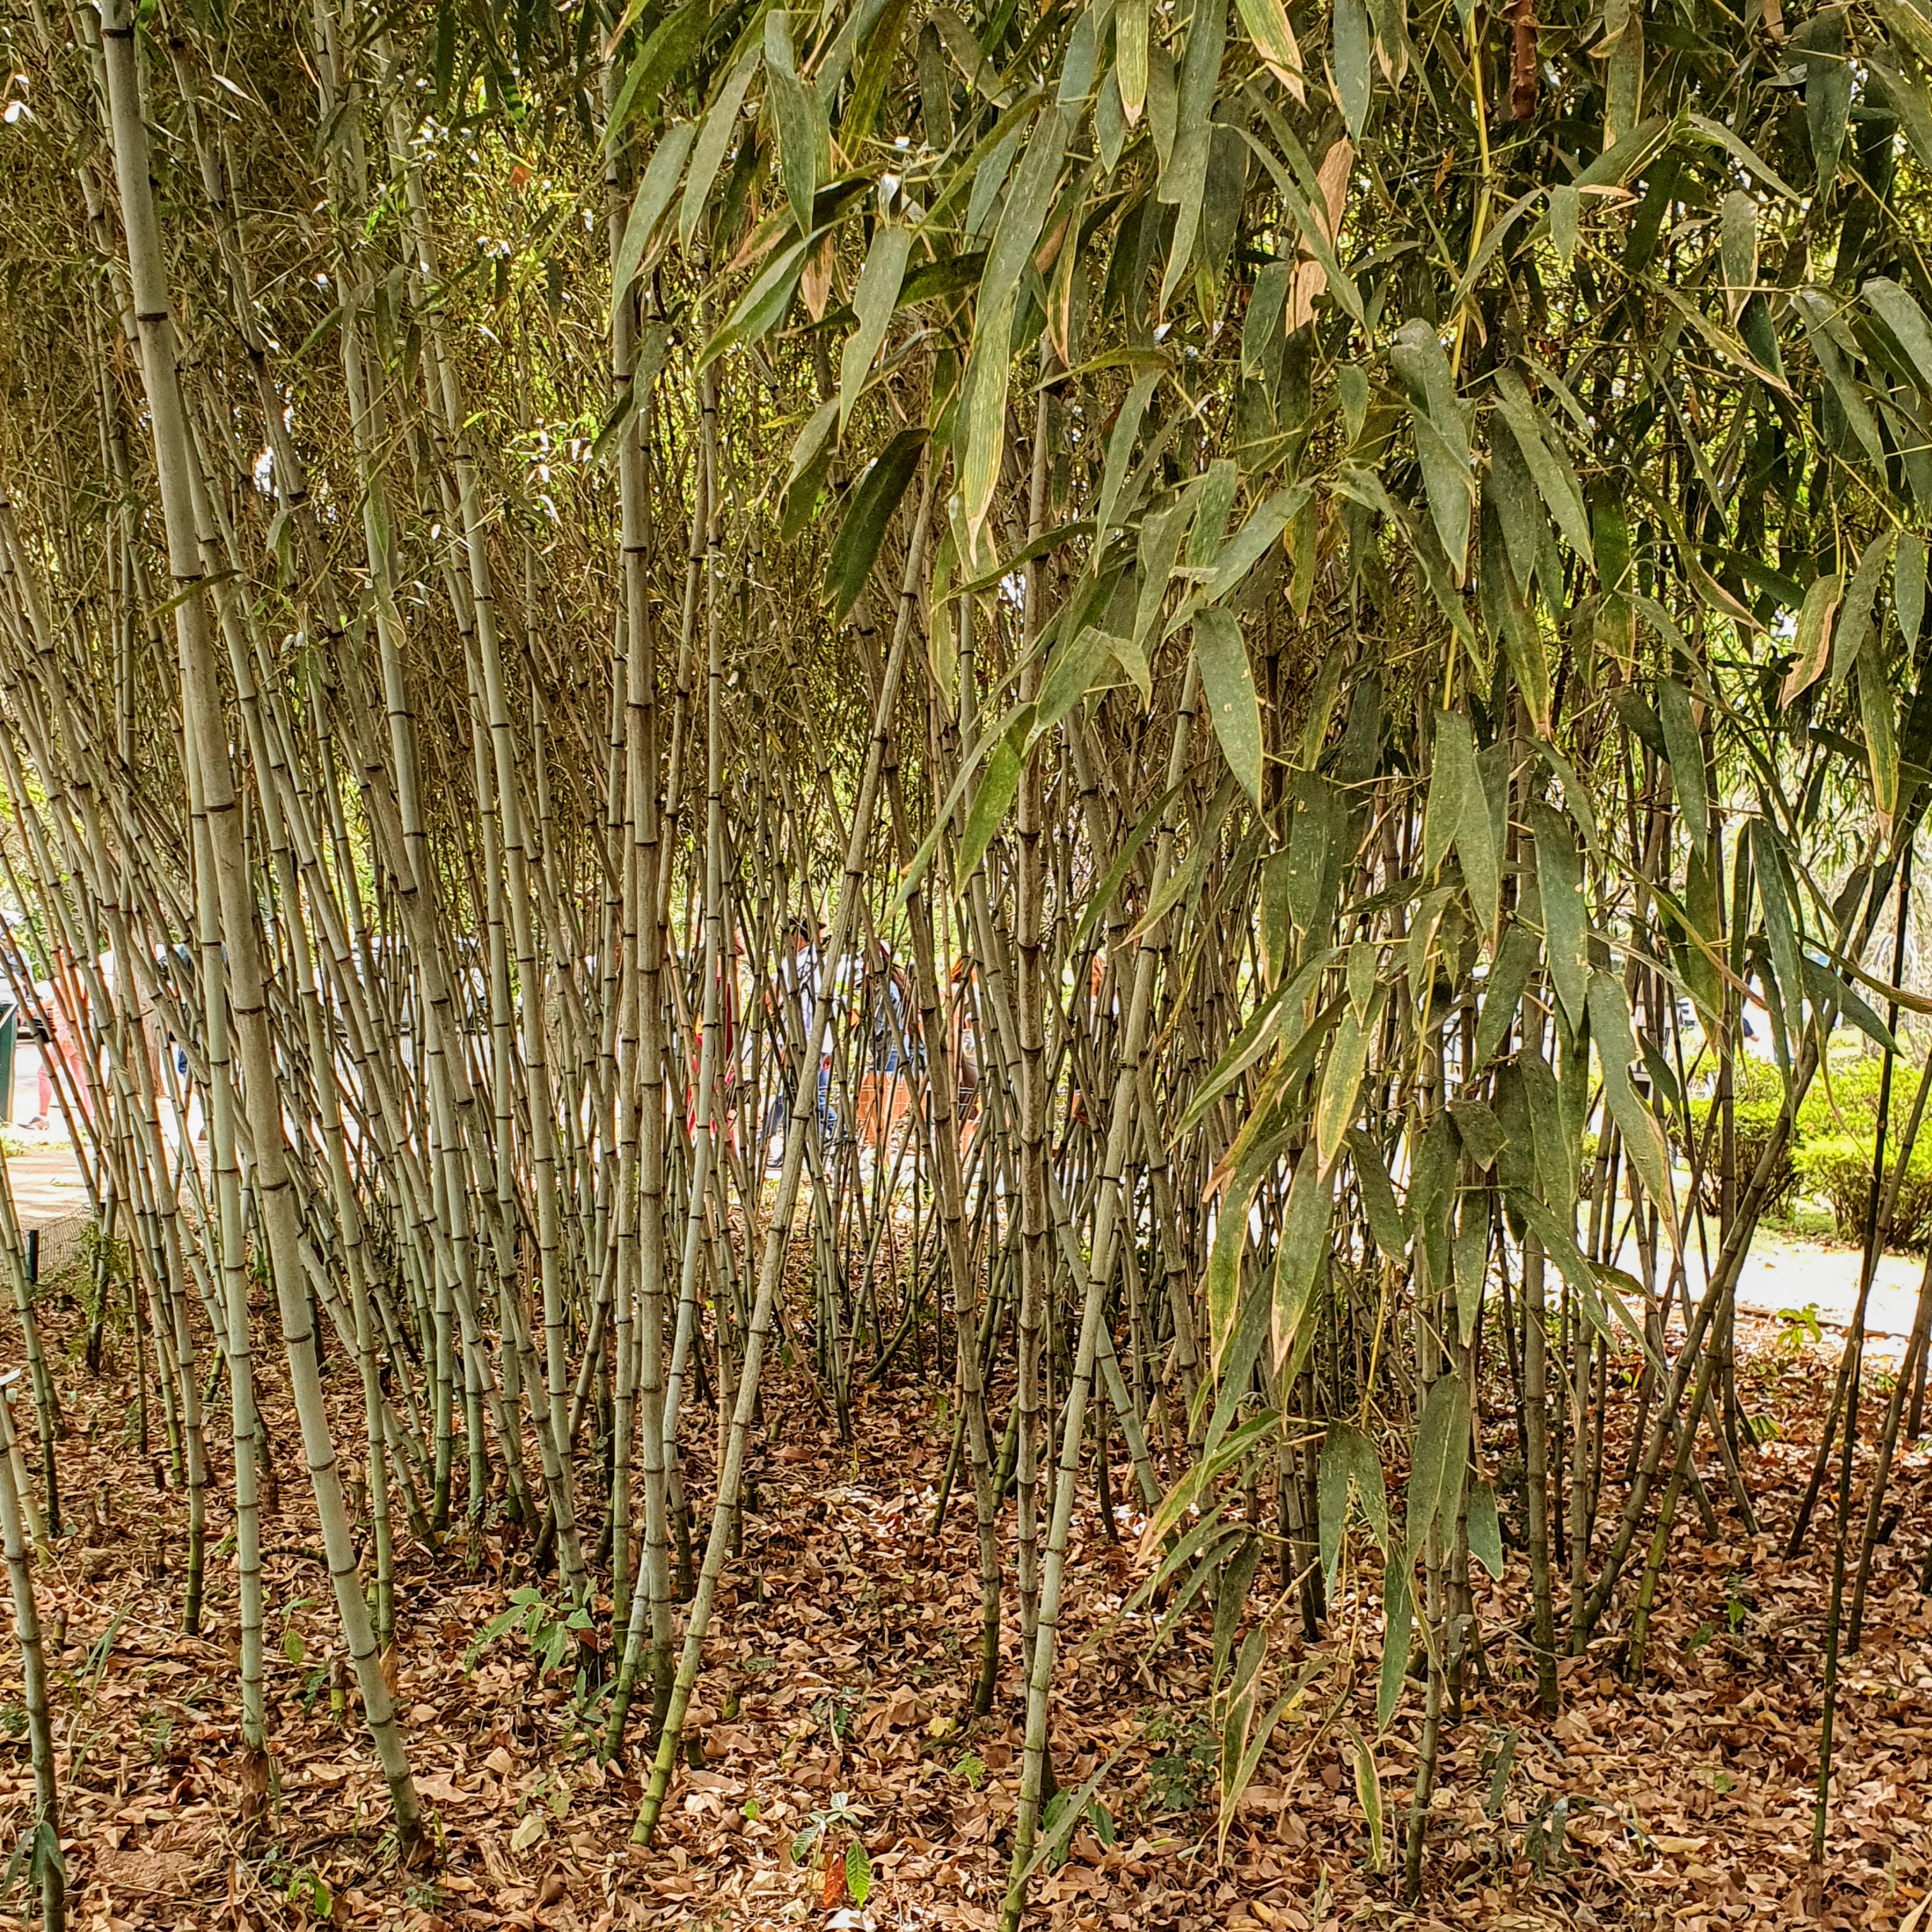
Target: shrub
(1849,1098)
(1839,1167)
(1756,1105)
(1818,1158)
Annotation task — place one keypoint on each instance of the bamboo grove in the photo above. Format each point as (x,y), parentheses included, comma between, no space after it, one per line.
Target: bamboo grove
(1110,703)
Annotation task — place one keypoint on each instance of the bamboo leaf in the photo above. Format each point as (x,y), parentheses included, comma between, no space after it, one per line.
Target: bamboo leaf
(1027,202)
(1908,588)
(1130,52)
(1349,1468)
(873,301)
(1434,1494)
(1644,1143)
(1303,1248)
(661,177)
(1907,320)
(881,42)
(991,803)
(1854,624)
(1267,23)
(1686,750)
(855,548)
(1379,1201)
(1341,1082)
(1781,935)
(1398,1621)
(1183,177)
(1471,1257)
(1130,849)
(762,307)
(1228,687)
(672,43)
(1559,879)
(981,437)
(1555,480)
(1369,1794)
(1252,541)
(1452,782)
(1441,438)
(1278,1015)
(1224,1258)
(1509,975)
(714,143)
(1354,78)
(1811,642)
(1486,1532)
(1233,1786)
(1479,845)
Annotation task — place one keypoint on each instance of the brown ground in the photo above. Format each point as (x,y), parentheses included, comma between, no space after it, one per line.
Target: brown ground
(838,1666)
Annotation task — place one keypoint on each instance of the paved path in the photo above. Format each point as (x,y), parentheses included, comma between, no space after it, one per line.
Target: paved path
(49,1194)
(47,1184)
(1780,1273)
(1784,1275)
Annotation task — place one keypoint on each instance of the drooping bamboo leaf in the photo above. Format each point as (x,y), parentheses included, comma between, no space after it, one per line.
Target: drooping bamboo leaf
(1354,79)
(1811,643)
(661,177)
(1130,40)
(873,302)
(874,500)
(1509,975)
(1441,437)
(804,138)
(881,41)
(1227,689)
(1486,1533)
(979,438)
(1686,749)
(1644,1143)
(1341,1082)
(991,803)
(1566,922)
(1854,625)
(1781,935)
(1268,25)
(1378,1200)
(1369,1794)
(1554,480)
(1908,588)
(1479,842)
(1224,1258)
(1452,782)
(1184,176)
(1398,1622)
(1434,1494)
(1349,1468)
(1303,1248)
(714,143)
(984,397)
(1907,320)
(1471,1258)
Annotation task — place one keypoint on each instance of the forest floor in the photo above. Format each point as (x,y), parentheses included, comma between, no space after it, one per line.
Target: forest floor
(839,1666)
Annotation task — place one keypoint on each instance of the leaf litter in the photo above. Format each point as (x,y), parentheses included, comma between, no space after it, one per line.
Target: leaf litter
(835,1776)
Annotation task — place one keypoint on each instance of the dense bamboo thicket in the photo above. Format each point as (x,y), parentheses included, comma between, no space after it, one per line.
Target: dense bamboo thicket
(1116,703)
